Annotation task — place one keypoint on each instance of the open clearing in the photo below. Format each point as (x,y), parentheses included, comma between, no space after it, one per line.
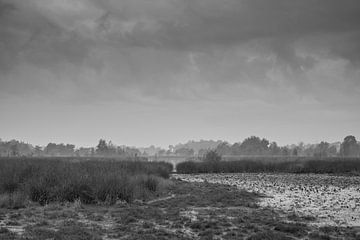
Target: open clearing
(332,200)
(186,210)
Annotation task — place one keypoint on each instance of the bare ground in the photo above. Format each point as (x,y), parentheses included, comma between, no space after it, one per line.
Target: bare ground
(185,211)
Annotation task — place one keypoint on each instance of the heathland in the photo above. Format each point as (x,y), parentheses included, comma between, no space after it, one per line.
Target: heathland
(98,198)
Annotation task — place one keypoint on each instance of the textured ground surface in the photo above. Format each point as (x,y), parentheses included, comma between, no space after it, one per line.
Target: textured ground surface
(185,211)
(332,200)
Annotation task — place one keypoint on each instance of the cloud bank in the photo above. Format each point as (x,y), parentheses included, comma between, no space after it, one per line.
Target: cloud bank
(265,54)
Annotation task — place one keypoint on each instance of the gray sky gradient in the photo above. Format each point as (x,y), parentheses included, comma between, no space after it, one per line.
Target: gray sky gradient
(160,72)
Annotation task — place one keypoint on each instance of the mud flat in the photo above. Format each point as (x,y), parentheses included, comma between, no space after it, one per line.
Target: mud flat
(332,200)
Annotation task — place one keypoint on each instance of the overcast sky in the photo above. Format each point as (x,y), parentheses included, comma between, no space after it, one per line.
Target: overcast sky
(142,72)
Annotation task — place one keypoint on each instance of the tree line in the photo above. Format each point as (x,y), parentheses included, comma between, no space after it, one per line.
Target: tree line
(251,146)
(349,147)
(16,148)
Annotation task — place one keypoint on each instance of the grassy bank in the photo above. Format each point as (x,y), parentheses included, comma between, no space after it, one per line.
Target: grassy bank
(47,180)
(276,165)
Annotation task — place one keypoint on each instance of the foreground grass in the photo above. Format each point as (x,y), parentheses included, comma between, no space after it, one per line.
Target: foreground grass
(61,180)
(182,211)
(331,165)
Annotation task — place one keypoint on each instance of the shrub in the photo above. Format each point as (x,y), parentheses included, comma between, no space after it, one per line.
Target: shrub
(256,165)
(46,180)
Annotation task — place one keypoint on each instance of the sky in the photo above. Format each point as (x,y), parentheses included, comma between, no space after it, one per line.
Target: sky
(160,72)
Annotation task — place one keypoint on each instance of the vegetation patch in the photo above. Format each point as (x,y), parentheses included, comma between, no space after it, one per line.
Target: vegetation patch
(175,209)
(61,180)
(329,165)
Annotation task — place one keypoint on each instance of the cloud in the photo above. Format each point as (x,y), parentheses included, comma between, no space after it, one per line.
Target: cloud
(180,49)
(213,68)
(29,36)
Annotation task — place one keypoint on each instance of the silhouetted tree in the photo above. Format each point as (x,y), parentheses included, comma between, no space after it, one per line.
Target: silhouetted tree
(274,149)
(321,149)
(254,146)
(102,148)
(224,148)
(349,147)
(212,156)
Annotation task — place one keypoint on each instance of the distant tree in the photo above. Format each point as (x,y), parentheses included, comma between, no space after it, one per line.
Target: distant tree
(285,151)
(184,152)
(254,146)
(212,156)
(274,149)
(301,147)
(102,148)
(38,151)
(112,149)
(54,149)
(235,149)
(120,150)
(294,151)
(51,149)
(132,152)
(70,148)
(332,151)
(223,148)
(321,149)
(92,152)
(14,150)
(349,147)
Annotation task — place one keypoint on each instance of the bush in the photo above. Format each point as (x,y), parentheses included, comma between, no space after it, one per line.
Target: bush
(46,180)
(256,165)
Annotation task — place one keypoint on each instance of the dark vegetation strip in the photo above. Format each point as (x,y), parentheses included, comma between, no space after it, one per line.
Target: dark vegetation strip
(258,165)
(46,180)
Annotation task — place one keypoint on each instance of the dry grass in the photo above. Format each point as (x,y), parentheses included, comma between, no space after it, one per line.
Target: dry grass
(13,200)
(51,180)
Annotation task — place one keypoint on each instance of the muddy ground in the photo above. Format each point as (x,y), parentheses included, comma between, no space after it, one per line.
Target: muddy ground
(186,210)
(332,200)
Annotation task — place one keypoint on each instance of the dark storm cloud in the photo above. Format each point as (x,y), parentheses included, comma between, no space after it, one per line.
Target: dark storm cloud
(29,36)
(195,43)
(194,25)
(187,68)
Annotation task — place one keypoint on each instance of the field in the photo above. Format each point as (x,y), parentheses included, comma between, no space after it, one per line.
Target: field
(106,200)
(184,211)
(331,200)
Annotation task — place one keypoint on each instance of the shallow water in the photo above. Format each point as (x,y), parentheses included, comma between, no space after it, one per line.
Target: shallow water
(333,200)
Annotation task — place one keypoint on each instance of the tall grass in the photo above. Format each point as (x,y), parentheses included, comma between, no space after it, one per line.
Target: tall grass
(300,165)
(46,180)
